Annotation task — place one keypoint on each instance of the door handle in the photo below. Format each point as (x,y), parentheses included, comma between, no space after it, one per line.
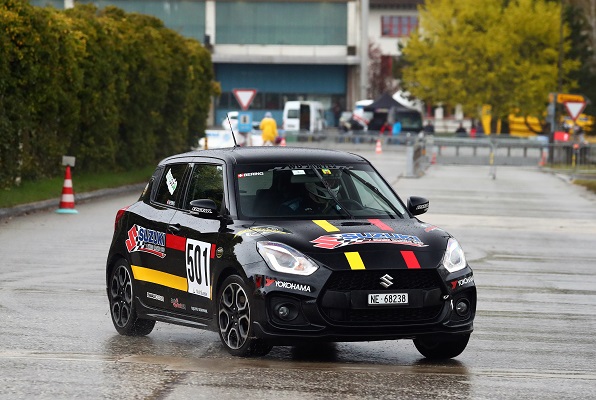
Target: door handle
(174,228)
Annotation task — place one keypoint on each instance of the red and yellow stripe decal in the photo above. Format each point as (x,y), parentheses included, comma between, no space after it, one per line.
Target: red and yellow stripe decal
(354,260)
(326,225)
(410,259)
(353,257)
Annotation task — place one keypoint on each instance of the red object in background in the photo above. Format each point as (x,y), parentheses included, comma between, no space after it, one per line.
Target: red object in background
(561,137)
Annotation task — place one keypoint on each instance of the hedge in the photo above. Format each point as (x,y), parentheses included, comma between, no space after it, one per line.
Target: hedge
(116,90)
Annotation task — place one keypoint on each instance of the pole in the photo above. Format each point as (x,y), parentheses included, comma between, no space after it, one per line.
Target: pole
(364,4)
(555,119)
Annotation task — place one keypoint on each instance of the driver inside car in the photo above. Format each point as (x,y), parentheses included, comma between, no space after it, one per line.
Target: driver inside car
(315,198)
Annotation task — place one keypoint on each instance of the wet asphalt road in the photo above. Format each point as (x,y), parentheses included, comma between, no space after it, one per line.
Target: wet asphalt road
(529,235)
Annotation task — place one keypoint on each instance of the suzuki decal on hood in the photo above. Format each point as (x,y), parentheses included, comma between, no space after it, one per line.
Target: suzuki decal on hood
(346,239)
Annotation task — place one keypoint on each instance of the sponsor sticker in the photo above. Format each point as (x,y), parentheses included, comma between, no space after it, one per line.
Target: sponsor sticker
(177,304)
(262,230)
(155,296)
(146,240)
(337,240)
(171,182)
(288,285)
(247,174)
(462,282)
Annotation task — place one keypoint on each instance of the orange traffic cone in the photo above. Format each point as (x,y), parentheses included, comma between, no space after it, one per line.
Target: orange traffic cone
(378,149)
(542,161)
(67,202)
(283,142)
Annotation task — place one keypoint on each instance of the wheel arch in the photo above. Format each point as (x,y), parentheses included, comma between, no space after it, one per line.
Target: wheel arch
(111,263)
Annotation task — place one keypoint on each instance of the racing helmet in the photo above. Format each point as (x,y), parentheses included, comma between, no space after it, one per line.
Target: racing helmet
(320,192)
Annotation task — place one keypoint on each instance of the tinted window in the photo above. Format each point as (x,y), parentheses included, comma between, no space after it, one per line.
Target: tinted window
(206,182)
(170,185)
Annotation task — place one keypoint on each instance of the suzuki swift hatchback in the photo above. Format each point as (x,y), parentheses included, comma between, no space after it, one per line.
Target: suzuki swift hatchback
(274,246)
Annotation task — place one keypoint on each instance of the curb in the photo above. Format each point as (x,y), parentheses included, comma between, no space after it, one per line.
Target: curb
(11,212)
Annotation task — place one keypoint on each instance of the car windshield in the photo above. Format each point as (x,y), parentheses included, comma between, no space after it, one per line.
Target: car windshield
(314,191)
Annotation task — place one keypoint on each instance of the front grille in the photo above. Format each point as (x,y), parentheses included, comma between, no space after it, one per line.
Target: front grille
(370,279)
(385,315)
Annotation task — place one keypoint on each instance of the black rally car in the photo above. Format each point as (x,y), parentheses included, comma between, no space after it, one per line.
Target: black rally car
(270,245)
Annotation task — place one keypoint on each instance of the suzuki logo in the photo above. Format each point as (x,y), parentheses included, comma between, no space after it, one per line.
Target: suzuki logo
(386,281)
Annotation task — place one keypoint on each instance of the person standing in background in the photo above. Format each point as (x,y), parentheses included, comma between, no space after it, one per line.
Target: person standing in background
(268,128)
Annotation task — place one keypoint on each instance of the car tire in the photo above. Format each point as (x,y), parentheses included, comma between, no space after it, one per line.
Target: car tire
(121,292)
(442,347)
(234,320)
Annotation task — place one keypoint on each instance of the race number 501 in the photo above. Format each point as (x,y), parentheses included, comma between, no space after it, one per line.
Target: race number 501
(198,267)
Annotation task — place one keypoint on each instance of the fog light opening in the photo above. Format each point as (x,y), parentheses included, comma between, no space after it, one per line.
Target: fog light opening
(283,312)
(286,311)
(462,307)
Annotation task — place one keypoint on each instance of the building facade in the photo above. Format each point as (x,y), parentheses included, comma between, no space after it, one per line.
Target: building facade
(283,49)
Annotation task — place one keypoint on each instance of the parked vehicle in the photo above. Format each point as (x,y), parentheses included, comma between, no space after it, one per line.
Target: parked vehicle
(303,116)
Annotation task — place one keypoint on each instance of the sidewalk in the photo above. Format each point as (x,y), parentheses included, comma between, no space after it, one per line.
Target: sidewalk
(11,212)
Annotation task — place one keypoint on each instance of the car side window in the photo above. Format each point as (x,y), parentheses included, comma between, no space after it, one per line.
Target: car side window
(170,185)
(206,182)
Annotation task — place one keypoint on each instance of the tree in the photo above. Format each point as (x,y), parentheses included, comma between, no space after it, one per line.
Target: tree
(504,54)
(580,15)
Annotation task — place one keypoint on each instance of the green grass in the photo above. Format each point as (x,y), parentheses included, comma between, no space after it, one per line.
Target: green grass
(589,184)
(44,189)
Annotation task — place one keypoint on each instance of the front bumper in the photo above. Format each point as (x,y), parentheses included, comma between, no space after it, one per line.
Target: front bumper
(333,306)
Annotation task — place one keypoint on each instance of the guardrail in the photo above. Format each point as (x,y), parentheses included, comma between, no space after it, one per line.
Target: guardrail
(496,151)
(487,150)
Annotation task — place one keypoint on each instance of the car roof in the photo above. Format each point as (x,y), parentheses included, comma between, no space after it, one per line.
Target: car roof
(272,154)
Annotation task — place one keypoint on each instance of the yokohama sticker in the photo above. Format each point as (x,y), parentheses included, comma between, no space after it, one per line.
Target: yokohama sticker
(462,282)
(347,239)
(146,240)
(288,285)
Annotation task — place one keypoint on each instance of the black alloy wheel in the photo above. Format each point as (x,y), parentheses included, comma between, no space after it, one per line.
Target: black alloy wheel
(122,308)
(234,320)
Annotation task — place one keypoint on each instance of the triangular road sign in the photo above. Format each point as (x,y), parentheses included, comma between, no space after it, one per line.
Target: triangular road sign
(244,97)
(575,108)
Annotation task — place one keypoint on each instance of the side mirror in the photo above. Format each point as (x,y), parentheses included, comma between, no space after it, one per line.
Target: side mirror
(417,205)
(204,208)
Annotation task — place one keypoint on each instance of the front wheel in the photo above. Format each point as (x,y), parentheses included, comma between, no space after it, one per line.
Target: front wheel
(442,347)
(122,307)
(235,320)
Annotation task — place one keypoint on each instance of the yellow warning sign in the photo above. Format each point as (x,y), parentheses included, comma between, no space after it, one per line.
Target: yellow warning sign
(566,98)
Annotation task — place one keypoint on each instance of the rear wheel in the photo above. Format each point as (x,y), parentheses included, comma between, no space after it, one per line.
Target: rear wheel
(235,320)
(442,347)
(122,307)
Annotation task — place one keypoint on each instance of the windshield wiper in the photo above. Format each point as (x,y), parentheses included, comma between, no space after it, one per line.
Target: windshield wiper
(375,190)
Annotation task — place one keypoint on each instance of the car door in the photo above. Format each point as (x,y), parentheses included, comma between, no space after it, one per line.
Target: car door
(148,240)
(199,239)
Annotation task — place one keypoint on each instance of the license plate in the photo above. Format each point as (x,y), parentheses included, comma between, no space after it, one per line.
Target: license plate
(381,299)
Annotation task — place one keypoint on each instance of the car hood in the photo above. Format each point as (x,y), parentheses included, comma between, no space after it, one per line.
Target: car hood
(359,244)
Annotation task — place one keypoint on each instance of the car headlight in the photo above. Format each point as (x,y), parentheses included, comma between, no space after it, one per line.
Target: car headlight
(454,258)
(282,258)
